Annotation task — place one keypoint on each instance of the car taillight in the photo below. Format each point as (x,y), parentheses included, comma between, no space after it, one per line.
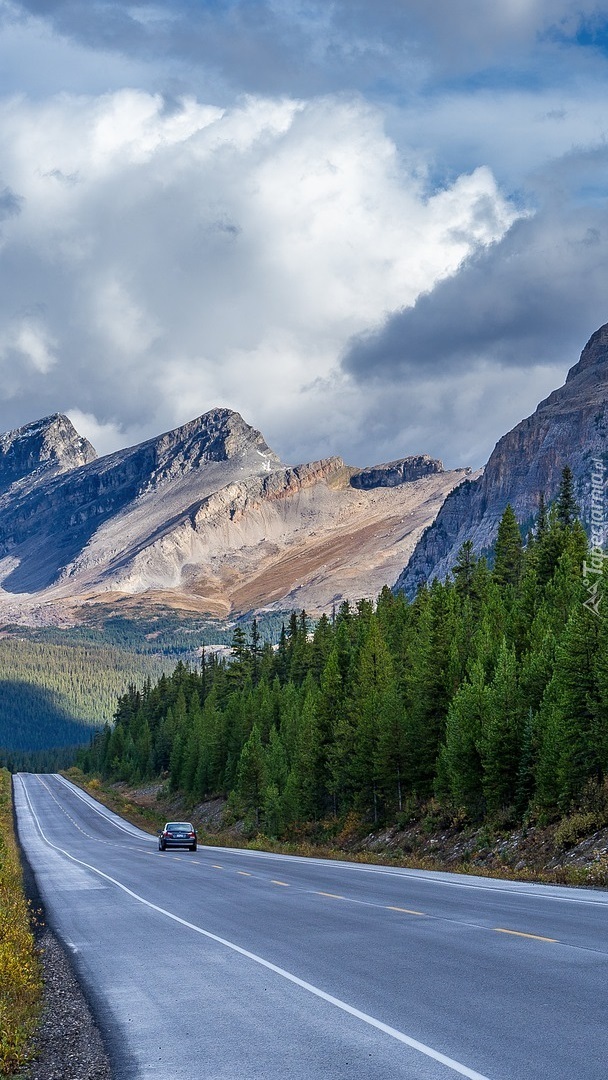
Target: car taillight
(191,834)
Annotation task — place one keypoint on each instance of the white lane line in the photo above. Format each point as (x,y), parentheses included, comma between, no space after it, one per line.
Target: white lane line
(514,888)
(394,1033)
(69,816)
(89,801)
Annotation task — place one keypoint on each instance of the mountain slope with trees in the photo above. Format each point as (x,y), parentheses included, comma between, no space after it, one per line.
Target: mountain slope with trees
(525,465)
(52,696)
(487,695)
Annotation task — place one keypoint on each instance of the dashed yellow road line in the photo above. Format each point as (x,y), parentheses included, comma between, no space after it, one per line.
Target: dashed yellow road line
(280,883)
(406,911)
(331,895)
(243,873)
(520,933)
(216,867)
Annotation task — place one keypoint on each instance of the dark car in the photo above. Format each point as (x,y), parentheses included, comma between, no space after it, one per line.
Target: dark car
(177,834)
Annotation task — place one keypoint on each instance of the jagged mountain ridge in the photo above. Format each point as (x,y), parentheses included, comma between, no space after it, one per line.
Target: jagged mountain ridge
(204,518)
(570,427)
(45,448)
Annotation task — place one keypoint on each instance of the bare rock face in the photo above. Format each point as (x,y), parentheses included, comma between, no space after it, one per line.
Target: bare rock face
(570,427)
(207,519)
(393,473)
(45,448)
(46,526)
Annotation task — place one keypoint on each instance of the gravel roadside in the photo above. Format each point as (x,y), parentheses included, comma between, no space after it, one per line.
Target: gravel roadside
(68,1044)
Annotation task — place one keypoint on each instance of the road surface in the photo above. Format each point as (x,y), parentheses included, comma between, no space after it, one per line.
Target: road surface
(238,965)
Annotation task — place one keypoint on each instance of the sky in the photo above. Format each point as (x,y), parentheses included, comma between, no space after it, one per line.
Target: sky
(373,229)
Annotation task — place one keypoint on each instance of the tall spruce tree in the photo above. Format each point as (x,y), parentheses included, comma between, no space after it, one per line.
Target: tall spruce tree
(461,769)
(567,508)
(508,550)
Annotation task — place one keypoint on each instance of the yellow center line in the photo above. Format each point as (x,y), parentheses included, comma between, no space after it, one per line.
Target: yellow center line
(519,933)
(280,883)
(331,895)
(216,867)
(243,873)
(406,911)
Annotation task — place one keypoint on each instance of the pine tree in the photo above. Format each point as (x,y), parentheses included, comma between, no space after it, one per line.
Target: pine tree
(336,731)
(306,783)
(567,509)
(501,735)
(373,697)
(251,775)
(464,569)
(508,550)
(460,759)
(429,683)
(574,739)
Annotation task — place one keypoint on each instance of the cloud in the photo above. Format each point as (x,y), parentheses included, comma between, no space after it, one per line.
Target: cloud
(36,56)
(285,46)
(182,259)
(10,204)
(372,228)
(476,353)
(26,348)
(104,437)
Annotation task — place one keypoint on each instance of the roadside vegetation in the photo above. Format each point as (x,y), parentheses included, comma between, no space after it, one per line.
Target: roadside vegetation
(483,702)
(20,972)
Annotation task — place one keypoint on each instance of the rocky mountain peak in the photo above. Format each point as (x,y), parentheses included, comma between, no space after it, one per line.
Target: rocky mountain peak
(48,446)
(594,354)
(204,518)
(218,435)
(570,427)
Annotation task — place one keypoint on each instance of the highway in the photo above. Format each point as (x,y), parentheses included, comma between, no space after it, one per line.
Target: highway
(224,964)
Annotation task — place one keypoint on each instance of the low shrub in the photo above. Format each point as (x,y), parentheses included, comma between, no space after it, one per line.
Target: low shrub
(574,828)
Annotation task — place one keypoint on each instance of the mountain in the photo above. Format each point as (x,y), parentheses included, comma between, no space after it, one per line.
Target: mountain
(204,519)
(42,449)
(570,427)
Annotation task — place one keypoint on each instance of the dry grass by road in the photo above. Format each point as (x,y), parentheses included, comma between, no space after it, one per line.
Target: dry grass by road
(20,973)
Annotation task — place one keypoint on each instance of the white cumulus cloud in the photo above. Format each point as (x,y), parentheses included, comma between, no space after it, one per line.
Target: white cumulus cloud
(185,257)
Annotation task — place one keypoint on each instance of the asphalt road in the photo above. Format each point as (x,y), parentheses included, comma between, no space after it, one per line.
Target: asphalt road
(238,965)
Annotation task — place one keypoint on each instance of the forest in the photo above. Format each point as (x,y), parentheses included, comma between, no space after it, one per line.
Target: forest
(485,696)
(52,695)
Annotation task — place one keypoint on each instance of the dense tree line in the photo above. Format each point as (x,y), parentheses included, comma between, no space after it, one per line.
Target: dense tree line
(487,693)
(51,695)
(161,632)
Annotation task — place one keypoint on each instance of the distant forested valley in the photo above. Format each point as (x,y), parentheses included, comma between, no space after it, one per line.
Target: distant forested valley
(52,695)
(58,684)
(485,697)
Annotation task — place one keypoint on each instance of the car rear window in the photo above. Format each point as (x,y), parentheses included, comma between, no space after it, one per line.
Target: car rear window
(179,826)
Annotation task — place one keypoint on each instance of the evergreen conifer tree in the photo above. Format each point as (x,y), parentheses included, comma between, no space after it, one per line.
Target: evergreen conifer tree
(508,550)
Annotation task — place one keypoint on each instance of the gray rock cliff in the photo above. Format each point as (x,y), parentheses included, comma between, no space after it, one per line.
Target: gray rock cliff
(570,427)
(40,450)
(393,473)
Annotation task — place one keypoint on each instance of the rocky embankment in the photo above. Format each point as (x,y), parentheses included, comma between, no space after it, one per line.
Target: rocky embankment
(573,851)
